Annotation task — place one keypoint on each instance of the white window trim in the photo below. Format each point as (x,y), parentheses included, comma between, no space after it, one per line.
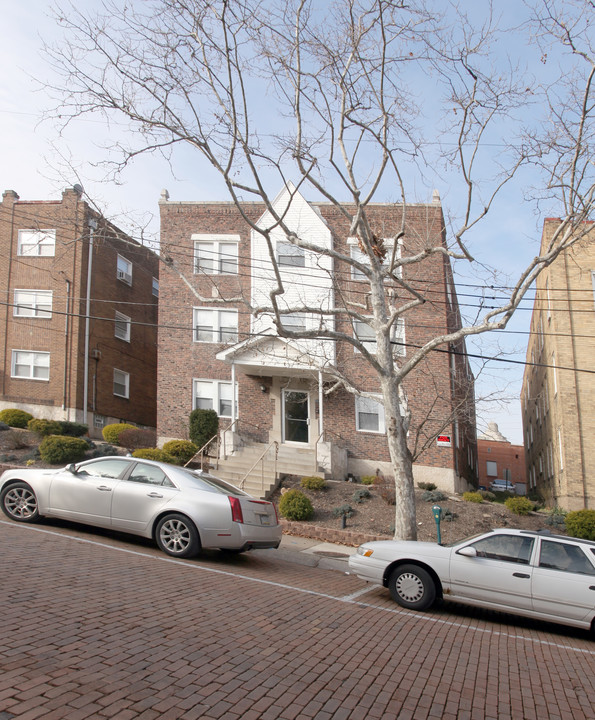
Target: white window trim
(219,258)
(126,383)
(295,322)
(216,325)
(44,239)
(19,304)
(359,400)
(124,274)
(36,356)
(215,396)
(120,320)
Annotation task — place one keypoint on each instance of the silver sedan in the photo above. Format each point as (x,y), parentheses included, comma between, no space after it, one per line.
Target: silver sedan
(183,510)
(550,577)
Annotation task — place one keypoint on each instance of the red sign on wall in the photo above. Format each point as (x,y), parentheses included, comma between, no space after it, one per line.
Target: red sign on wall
(444,441)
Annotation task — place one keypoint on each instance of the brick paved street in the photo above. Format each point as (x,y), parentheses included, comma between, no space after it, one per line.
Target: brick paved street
(102,627)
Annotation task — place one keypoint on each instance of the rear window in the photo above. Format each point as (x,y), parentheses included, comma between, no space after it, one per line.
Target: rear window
(210,483)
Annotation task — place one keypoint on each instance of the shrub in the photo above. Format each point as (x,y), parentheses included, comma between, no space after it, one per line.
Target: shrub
(182,450)
(203,426)
(4,426)
(154,454)
(556,517)
(519,505)
(15,440)
(294,505)
(72,428)
(360,495)
(448,515)
(44,427)
(434,496)
(487,495)
(313,483)
(137,438)
(581,524)
(57,449)
(368,479)
(111,433)
(427,486)
(346,510)
(386,490)
(15,417)
(475,497)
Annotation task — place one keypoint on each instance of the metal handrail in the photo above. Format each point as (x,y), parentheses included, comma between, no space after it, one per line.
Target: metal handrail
(261,459)
(217,436)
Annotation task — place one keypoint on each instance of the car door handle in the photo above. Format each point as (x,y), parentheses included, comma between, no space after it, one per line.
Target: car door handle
(521,575)
(155,495)
(104,488)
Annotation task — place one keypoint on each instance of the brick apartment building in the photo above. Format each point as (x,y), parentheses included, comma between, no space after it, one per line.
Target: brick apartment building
(286,390)
(497,458)
(557,395)
(79,314)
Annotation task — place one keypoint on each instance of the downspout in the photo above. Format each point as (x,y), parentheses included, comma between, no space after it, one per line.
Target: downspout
(320,406)
(92,227)
(8,303)
(576,390)
(66,358)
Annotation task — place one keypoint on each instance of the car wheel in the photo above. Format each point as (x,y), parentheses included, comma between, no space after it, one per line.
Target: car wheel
(19,502)
(177,536)
(412,587)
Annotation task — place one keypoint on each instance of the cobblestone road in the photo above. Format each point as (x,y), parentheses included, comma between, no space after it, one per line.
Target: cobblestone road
(95,626)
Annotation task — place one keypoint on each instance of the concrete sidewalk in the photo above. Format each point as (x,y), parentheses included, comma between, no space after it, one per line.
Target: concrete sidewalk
(312,553)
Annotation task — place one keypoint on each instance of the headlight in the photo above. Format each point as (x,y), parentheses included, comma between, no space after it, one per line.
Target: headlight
(366,552)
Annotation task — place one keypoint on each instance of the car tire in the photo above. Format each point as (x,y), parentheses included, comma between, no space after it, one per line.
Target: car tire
(412,587)
(177,536)
(20,503)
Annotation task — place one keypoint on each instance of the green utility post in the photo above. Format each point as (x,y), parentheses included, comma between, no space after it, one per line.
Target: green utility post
(437,512)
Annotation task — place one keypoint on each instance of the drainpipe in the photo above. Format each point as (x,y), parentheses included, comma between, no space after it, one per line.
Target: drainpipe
(92,227)
(320,406)
(66,365)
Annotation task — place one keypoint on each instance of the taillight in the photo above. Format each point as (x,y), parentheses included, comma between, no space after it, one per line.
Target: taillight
(236,509)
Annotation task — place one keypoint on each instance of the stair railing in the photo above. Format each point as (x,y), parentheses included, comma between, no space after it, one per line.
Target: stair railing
(261,460)
(202,452)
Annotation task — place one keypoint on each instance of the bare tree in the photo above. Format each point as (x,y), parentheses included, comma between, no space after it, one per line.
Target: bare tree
(364,99)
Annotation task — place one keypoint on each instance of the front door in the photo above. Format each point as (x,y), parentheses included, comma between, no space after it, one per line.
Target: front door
(296,425)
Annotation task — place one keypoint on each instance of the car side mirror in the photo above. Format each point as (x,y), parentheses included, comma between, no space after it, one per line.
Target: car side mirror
(468,551)
(71,468)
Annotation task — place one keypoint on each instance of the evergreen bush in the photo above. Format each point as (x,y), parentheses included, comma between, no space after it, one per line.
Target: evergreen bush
(45,427)
(203,426)
(519,505)
(73,429)
(475,497)
(111,433)
(581,524)
(15,418)
(313,483)
(360,495)
(294,505)
(182,450)
(154,454)
(58,449)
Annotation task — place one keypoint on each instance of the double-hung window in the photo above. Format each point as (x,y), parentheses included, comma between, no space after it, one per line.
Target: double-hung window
(27,364)
(289,255)
(33,303)
(369,415)
(215,326)
(124,270)
(121,383)
(362,258)
(155,287)
(366,335)
(37,243)
(213,395)
(216,254)
(295,322)
(122,327)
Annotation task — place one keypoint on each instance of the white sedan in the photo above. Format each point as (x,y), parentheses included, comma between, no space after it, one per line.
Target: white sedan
(182,510)
(536,574)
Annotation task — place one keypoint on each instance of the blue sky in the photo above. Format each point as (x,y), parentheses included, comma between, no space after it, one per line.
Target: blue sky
(32,153)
